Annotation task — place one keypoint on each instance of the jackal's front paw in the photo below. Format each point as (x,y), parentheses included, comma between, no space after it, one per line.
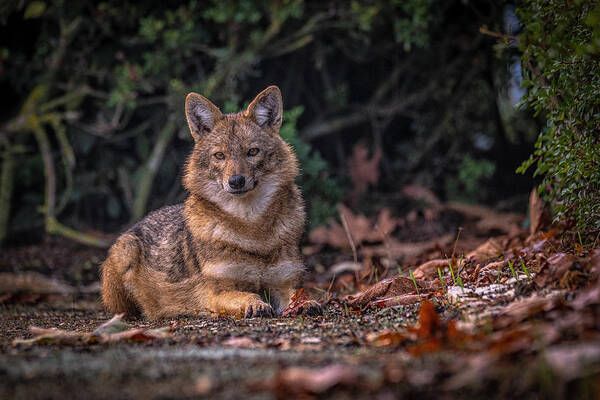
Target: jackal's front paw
(258,308)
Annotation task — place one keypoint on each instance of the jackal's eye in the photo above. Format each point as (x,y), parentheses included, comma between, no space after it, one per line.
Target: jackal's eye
(219,156)
(253,151)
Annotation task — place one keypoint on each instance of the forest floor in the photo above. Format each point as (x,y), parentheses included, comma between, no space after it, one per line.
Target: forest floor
(449,300)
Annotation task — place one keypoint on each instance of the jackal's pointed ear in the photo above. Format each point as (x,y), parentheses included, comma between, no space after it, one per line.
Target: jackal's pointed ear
(267,108)
(201,114)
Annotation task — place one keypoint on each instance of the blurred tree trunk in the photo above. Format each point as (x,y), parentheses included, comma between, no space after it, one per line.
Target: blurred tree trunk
(6,188)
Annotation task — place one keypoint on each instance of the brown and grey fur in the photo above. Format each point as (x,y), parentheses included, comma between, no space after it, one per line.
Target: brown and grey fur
(218,252)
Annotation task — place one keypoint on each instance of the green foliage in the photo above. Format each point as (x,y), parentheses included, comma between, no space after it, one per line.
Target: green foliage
(471,177)
(411,76)
(560,45)
(321,191)
(411,28)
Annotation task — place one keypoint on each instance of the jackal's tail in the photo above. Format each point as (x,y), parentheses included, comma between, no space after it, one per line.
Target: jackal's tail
(122,256)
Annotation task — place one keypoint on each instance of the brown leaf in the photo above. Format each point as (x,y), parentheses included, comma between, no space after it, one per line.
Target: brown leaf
(429,321)
(402,300)
(386,338)
(345,266)
(587,297)
(113,325)
(521,310)
(333,235)
(386,288)
(203,385)
(133,335)
(536,212)
(50,336)
(476,369)
(488,220)
(429,331)
(385,224)
(554,269)
(510,341)
(395,249)
(315,380)
(243,342)
(491,249)
(417,192)
(301,304)
(359,226)
(114,330)
(572,360)
(30,287)
(430,268)
(361,229)
(594,265)
(363,171)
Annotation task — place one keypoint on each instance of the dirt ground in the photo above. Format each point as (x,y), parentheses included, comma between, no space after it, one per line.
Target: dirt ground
(203,358)
(199,350)
(518,317)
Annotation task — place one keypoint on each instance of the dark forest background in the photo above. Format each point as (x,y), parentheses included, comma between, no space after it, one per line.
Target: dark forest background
(379,95)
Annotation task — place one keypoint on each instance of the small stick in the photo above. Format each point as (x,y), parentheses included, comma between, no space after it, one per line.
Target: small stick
(352,245)
(348,235)
(456,242)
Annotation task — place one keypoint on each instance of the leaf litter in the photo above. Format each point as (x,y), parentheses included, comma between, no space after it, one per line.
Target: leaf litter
(112,331)
(494,294)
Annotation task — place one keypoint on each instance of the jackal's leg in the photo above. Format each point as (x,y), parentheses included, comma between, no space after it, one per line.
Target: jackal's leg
(240,304)
(123,256)
(280,298)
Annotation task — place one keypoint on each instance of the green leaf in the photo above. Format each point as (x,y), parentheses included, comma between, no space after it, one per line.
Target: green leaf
(35,9)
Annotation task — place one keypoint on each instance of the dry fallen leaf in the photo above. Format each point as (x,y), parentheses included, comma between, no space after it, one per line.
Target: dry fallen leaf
(114,330)
(523,309)
(297,380)
(28,287)
(389,287)
(554,269)
(363,171)
(301,304)
(361,229)
(50,336)
(386,338)
(417,192)
(402,300)
(491,249)
(488,220)
(395,249)
(536,212)
(430,268)
(429,321)
(203,385)
(385,223)
(242,342)
(587,297)
(568,361)
(344,266)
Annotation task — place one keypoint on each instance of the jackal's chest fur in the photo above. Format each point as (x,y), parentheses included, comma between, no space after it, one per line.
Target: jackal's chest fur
(260,253)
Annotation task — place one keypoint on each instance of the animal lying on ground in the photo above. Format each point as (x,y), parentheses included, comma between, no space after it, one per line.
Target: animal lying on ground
(232,248)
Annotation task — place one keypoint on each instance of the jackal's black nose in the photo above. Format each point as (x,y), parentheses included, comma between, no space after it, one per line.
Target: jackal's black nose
(237,181)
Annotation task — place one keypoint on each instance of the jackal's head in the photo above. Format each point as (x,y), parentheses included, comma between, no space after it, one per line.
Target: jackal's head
(238,158)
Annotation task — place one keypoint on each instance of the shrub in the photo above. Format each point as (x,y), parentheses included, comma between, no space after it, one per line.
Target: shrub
(561,57)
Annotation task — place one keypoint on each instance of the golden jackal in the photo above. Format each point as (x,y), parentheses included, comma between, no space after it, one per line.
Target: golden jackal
(232,248)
